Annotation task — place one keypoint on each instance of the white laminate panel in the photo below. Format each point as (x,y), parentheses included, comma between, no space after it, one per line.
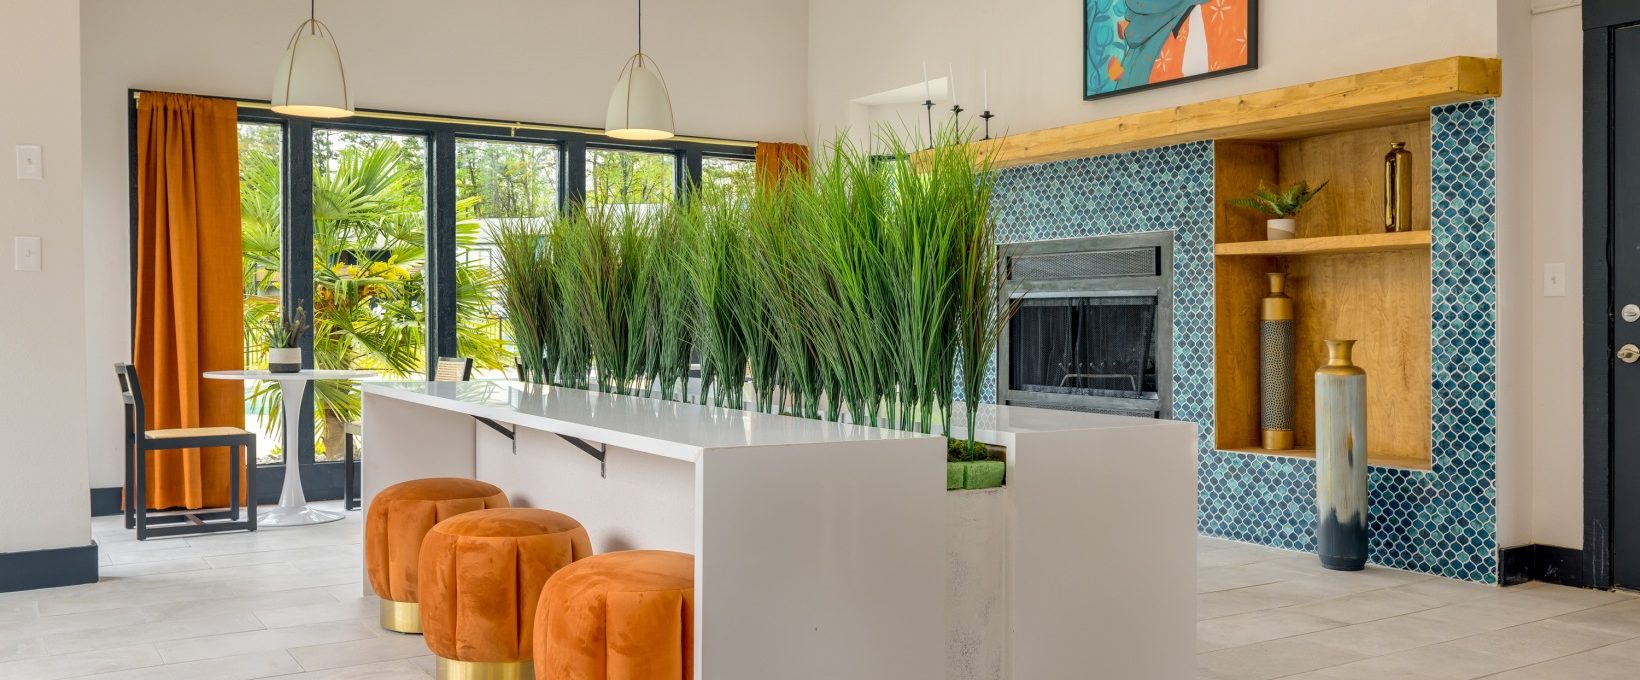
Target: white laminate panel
(408,441)
(1102,552)
(822,561)
(645,503)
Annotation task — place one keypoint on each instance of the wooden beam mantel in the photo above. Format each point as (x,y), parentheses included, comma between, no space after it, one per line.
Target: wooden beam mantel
(1390,96)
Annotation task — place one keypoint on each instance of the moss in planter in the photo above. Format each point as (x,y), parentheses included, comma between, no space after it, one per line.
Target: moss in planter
(974,474)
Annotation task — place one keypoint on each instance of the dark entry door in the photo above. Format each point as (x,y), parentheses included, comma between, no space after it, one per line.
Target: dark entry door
(1612,291)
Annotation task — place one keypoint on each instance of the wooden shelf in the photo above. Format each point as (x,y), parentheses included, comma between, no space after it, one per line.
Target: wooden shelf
(1374,458)
(1327,245)
(1395,95)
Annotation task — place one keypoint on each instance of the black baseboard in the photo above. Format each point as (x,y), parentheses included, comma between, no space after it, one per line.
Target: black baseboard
(1546,563)
(106,501)
(320,482)
(48,568)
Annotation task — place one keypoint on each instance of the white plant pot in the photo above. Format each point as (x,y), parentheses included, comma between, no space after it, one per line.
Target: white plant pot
(284,359)
(1280,230)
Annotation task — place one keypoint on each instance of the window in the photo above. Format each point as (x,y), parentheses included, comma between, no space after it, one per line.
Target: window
(369,267)
(498,184)
(402,268)
(630,179)
(261,215)
(732,176)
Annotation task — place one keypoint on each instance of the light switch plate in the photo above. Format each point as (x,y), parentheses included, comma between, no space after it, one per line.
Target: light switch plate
(28,253)
(1554,279)
(29,162)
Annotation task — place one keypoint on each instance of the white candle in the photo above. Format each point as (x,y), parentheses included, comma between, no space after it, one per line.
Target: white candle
(928,95)
(951,82)
(986,75)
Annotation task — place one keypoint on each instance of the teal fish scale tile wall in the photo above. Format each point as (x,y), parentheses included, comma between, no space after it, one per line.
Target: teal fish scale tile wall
(1441,521)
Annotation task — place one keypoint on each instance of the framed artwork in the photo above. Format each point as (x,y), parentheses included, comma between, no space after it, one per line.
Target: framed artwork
(1130,45)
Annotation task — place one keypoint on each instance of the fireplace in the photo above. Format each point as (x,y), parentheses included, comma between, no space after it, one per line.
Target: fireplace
(1094,327)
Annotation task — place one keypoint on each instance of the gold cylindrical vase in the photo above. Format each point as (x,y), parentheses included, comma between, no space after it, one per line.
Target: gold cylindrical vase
(1398,188)
(1275,339)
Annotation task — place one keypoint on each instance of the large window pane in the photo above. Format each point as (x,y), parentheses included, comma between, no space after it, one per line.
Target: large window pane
(498,184)
(731,176)
(630,179)
(260,219)
(369,267)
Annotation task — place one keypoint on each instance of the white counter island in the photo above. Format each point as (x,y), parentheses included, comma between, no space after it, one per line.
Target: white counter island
(827,550)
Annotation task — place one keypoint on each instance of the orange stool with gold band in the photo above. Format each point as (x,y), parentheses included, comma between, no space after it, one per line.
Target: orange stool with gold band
(399,518)
(481,579)
(618,616)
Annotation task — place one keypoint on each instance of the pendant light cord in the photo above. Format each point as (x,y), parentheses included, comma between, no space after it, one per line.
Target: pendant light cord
(313,15)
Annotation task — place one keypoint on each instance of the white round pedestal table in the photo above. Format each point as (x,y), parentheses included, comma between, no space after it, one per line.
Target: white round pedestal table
(293,510)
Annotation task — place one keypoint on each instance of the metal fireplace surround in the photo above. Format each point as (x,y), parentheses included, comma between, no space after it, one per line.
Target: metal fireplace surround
(1094,327)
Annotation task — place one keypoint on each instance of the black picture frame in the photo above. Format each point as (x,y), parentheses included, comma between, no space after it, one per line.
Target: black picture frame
(1252,58)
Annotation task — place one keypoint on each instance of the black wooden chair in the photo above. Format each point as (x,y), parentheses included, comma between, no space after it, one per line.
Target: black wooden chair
(447,369)
(139,441)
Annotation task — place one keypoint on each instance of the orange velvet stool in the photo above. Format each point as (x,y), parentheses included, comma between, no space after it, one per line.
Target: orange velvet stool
(481,579)
(618,616)
(400,516)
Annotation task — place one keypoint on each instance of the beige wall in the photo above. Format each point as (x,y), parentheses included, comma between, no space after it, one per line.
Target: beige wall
(736,69)
(1032,49)
(1556,225)
(43,501)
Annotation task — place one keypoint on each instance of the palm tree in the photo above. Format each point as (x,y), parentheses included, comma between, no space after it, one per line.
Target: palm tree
(369,275)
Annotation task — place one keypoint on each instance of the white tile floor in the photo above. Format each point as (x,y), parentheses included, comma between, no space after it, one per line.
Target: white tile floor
(1264,613)
(286,603)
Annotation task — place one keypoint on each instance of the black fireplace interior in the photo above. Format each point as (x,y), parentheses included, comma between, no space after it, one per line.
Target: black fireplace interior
(1102,346)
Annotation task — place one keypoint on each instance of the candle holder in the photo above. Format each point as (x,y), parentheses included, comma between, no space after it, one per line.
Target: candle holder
(987,116)
(929,105)
(956,111)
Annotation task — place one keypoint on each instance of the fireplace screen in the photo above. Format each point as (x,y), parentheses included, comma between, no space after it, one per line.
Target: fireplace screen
(1094,325)
(1087,346)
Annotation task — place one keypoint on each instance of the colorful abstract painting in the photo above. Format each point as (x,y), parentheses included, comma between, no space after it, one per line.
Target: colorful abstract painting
(1135,44)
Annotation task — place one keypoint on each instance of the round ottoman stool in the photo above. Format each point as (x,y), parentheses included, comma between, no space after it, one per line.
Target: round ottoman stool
(618,616)
(481,579)
(393,529)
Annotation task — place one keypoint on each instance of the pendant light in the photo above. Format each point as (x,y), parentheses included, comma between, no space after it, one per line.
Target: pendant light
(311,82)
(640,108)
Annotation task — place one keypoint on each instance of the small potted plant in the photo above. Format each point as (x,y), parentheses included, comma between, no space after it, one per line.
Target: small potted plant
(1281,206)
(283,336)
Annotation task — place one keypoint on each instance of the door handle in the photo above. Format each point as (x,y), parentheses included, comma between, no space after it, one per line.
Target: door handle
(1628,354)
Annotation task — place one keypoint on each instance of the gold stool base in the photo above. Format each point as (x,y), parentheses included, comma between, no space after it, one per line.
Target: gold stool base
(450,669)
(401,617)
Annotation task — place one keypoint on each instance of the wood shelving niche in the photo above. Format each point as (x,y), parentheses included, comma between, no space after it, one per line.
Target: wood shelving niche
(1348,278)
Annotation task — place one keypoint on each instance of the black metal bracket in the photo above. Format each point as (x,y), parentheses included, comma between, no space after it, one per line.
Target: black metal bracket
(596,452)
(511,435)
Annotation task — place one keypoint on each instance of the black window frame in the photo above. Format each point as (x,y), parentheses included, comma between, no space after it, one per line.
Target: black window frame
(324,479)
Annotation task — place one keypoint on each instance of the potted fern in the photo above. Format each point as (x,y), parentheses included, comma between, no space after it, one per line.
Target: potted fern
(1281,206)
(283,336)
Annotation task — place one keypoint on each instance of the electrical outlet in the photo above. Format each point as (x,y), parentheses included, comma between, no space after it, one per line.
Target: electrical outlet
(1554,279)
(28,253)
(28,162)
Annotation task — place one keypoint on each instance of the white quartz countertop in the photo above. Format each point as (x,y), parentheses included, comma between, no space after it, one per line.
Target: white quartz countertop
(683,430)
(665,428)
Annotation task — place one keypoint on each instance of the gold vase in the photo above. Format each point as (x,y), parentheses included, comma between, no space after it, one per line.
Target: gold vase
(1275,374)
(1398,188)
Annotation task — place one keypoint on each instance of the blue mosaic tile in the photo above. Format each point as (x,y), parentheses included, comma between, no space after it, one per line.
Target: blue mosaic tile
(1442,521)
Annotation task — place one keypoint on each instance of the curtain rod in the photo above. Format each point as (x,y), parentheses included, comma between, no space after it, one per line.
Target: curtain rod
(480,122)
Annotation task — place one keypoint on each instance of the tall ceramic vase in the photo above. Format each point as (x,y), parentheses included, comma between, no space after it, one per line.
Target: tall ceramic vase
(1341,460)
(1275,369)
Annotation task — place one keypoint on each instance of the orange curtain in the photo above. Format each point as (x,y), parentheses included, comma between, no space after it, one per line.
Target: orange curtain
(189,316)
(777,160)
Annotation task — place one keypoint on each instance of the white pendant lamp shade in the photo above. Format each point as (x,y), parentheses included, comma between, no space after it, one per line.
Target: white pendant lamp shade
(311,82)
(640,108)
